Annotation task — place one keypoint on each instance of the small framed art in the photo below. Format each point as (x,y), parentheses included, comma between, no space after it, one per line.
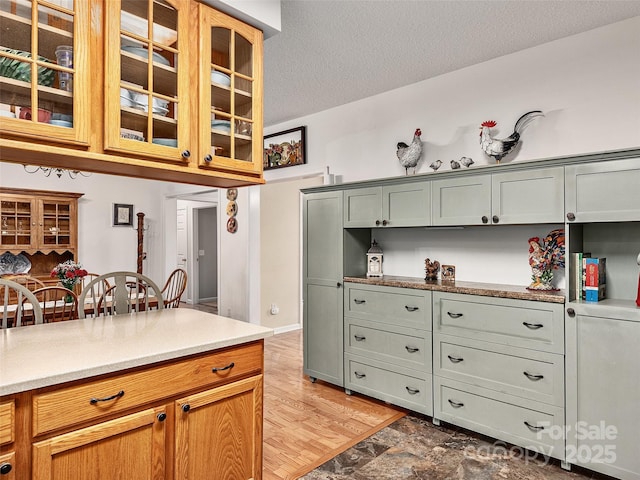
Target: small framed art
(285,149)
(122,215)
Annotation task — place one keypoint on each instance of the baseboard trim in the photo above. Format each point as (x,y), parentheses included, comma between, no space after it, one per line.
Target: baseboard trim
(287,328)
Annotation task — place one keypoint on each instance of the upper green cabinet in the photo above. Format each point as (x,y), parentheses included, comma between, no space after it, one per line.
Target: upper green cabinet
(462,201)
(403,205)
(603,191)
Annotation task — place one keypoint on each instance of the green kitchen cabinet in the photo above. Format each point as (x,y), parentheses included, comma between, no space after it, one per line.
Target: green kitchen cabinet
(322,286)
(398,205)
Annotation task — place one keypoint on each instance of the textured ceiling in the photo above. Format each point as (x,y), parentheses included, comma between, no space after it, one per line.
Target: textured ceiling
(335,52)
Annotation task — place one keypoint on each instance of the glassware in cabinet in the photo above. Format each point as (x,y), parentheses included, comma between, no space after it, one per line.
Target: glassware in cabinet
(17,217)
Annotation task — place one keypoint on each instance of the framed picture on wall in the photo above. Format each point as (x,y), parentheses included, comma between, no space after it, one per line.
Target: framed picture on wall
(122,215)
(285,149)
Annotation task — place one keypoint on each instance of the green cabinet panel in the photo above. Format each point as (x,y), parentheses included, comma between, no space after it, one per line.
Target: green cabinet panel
(462,201)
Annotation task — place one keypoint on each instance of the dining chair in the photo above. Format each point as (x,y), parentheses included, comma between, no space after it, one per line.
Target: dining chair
(174,288)
(31,283)
(58,304)
(12,295)
(127,292)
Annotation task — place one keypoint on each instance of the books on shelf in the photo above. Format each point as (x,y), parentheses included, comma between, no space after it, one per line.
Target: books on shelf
(595,279)
(576,279)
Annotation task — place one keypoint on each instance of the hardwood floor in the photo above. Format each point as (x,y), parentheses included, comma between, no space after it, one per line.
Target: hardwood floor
(306,424)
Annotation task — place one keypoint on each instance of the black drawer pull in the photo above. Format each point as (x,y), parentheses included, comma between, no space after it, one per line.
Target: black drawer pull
(455,404)
(359,338)
(411,309)
(454,315)
(412,391)
(533,377)
(94,400)
(228,367)
(412,349)
(533,428)
(359,375)
(5,468)
(455,359)
(533,326)
(359,302)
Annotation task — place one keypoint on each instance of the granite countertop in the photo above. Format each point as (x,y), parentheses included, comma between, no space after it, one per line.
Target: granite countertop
(473,288)
(49,354)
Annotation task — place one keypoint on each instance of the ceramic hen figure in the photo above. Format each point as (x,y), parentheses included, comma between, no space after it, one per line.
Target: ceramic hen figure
(498,148)
(409,155)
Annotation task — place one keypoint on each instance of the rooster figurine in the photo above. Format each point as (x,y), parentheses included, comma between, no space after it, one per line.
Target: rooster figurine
(410,154)
(498,148)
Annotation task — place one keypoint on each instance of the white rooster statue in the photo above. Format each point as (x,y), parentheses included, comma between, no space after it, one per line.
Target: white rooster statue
(410,154)
(498,148)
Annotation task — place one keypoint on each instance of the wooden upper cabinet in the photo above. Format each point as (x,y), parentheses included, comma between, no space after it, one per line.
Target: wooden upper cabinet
(230,93)
(50,38)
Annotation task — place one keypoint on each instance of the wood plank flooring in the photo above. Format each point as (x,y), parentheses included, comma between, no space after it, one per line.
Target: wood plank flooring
(306,424)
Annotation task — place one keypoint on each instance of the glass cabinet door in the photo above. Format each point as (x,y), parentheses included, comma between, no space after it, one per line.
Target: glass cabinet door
(58,226)
(230,93)
(147,108)
(43,68)
(17,224)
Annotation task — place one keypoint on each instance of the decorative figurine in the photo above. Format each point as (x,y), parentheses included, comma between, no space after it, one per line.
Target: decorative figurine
(374,260)
(497,148)
(544,258)
(448,273)
(466,161)
(436,165)
(410,154)
(454,165)
(431,269)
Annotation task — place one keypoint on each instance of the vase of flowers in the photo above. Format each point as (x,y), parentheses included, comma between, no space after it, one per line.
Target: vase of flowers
(69,273)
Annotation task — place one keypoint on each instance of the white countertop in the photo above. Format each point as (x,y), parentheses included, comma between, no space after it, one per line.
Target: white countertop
(49,354)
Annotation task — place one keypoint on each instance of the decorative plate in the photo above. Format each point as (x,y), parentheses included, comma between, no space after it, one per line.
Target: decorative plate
(232,194)
(232,225)
(232,208)
(10,263)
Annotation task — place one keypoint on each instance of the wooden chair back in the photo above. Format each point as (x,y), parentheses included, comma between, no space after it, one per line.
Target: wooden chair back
(12,296)
(58,304)
(174,288)
(127,292)
(31,283)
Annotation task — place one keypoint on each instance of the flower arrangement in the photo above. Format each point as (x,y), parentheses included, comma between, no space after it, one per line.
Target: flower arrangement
(545,258)
(69,273)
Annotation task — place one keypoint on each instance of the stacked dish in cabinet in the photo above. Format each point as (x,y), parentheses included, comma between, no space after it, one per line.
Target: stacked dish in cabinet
(388,344)
(499,369)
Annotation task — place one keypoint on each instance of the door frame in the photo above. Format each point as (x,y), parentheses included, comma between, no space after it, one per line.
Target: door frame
(193,270)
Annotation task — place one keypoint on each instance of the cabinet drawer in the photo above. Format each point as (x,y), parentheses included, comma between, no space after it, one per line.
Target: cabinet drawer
(7,422)
(9,458)
(401,346)
(521,323)
(525,373)
(72,405)
(400,386)
(501,416)
(397,306)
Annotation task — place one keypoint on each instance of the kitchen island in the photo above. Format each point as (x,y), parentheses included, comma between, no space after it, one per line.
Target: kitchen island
(175,393)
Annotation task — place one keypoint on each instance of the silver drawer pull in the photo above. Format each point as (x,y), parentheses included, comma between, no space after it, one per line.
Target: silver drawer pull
(359,338)
(411,309)
(359,375)
(359,302)
(412,391)
(533,428)
(455,359)
(412,349)
(455,404)
(533,377)
(454,315)
(533,326)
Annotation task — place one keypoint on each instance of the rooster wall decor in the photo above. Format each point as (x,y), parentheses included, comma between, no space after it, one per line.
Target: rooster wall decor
(409,155)
(498,148)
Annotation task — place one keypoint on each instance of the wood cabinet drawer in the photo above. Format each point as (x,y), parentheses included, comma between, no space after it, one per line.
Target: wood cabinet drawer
(401,346)
(400,386)
(7,422)
(10,459)
(397,306)
(72,405)
(528,424)
(525,373)
(521,323)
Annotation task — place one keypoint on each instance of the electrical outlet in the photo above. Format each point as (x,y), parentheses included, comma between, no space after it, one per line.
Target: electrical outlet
(274,309)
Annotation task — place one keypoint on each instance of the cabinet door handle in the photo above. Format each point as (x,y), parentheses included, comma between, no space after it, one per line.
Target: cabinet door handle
(533,326)
(533,428)
(208,158)
(359,375)
(186,407)
(485,219)
(360,338)
(571,312)
(385,223)
(186,154)
(5,468)
(161,417)
(455,404)
(359,302)
(412,391)
(454,315)
(455,359)
(412,349)
(94,400)
(220,369)
(338,285)
(411,309)
(532,376)
(571,216)
(377,223)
